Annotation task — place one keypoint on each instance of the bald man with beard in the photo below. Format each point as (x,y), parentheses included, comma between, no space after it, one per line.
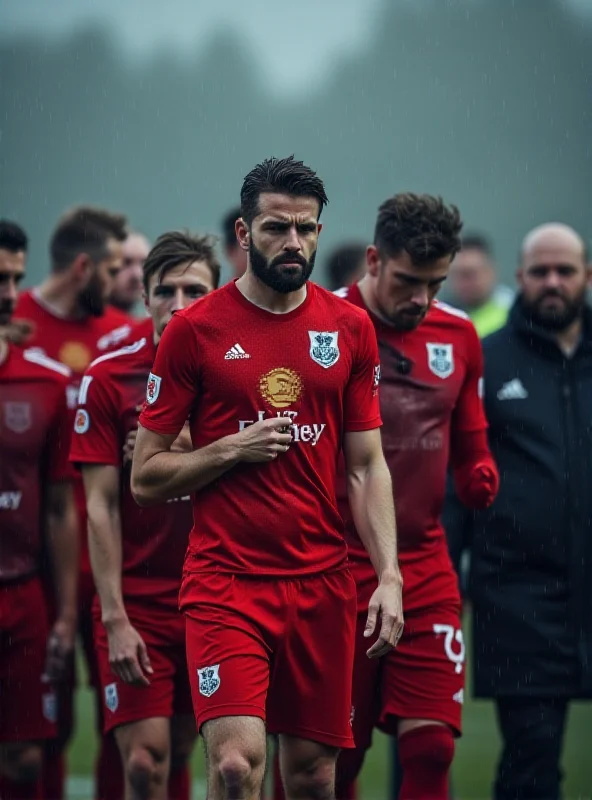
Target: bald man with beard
(531,551)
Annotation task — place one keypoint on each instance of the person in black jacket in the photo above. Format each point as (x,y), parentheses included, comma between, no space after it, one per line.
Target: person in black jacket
(531,551)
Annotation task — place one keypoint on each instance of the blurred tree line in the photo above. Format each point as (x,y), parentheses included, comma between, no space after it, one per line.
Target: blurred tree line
(487,103)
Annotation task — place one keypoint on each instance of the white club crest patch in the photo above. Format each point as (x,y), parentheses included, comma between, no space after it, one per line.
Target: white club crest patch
(111,697)
(209,680)
(324,349)
(440,359)
(152,388)
(81,421)
(50,707)
(17,417)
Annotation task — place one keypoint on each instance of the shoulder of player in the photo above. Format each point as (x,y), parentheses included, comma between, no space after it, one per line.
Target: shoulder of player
(38,364)
(118,360)
(341,306)
(452,318)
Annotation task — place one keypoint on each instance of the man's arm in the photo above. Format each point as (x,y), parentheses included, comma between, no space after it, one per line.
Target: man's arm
(371,502)
(159,474)
(127,652)
(63,548)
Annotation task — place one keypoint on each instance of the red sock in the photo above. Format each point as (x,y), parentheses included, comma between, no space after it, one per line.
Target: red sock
(426,755)
(180,784)
(109,779)
(13,790)
(53,775)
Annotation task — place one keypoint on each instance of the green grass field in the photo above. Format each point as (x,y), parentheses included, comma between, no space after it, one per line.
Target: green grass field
(476,755)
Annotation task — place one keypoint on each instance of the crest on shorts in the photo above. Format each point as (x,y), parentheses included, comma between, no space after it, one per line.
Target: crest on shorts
(17,416)
(152,388)
(440,359)
(323,347)
(50,707)
(209,680)
(111,697)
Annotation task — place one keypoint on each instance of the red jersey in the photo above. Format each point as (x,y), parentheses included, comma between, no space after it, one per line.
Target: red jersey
(75,343)
(225,363)
(154,539)
(34,440)
(429,391)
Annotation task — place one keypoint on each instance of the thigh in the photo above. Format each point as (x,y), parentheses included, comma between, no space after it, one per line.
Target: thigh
(424,677)
(27,704)
(123,703)
(311,687)
(152,734)
(532,731)
(229,646)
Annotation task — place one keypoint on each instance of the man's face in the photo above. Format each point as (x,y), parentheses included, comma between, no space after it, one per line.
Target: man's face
(94,296)
(179,288)
(553,280)
(472,278)
(403,291)
(127,287)
(12,271)
(283,241)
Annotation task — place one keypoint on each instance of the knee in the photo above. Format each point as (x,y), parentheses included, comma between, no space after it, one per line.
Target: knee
(144,769)
(23,764)
(236,771)
(312,780)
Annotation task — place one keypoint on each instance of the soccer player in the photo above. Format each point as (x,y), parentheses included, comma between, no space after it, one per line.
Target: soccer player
(73,325)
(127,286)
(235,255)
(137,554)
(274,374)
(36,513)
(430,402)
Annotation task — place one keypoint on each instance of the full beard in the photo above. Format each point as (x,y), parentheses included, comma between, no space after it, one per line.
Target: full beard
(281,280)
(554,319)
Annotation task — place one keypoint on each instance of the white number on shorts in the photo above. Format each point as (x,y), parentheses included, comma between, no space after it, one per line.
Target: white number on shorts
(452,635)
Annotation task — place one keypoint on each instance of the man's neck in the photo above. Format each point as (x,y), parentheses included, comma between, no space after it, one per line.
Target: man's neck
(3,348)
(369,297)
(264,297)
(60,297)
(568,339)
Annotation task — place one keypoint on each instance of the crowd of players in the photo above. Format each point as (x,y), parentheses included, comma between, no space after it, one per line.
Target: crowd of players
(242,458)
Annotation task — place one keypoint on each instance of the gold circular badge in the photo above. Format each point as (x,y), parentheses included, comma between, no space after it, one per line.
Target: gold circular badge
(280,387)
(75,355)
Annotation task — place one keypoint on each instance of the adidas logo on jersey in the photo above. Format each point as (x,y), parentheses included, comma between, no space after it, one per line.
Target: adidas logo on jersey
(512,390)
(236,351)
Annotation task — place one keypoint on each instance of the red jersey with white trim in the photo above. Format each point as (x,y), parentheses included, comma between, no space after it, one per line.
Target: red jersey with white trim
(75,343)
(34,443)
(154,539)
(429,390)
(225,363)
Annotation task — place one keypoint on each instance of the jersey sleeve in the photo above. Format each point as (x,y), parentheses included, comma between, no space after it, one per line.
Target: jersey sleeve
(469,414)
(361,407)
(97,436)
(59,467)
(172,385)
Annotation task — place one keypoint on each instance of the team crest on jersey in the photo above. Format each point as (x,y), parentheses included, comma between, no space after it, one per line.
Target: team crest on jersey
(50,707)
(17,416)
(323,347)
(111,697)
(440,359)
(81,421)
(209,680)
(152,388)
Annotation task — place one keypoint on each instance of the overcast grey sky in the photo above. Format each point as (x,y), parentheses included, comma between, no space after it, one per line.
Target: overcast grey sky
(293,42)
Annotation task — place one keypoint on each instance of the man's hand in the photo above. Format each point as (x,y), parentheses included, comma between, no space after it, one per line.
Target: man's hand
(129,446)
(128,655)
(60,646)
(387,601)
(18,331)
(264,440)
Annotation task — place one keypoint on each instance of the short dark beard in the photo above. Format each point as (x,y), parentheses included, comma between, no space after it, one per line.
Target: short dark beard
(90,299)
(271,275)
(554,321)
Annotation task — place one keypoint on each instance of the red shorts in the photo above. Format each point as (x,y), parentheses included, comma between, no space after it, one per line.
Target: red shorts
(163,631)
(278,649)
(27,705)
(423,678)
